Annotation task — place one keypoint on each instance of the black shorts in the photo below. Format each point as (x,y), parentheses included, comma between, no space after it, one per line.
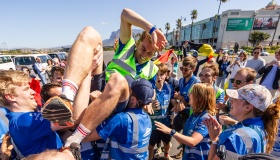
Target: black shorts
(157,135)
(179,121)
(98,81)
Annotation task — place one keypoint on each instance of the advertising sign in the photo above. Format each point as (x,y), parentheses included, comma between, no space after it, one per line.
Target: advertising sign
(239,24)
(265,23)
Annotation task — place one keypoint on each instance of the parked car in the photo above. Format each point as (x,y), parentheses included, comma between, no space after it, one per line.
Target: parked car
(44,58)
(61,55)
(230,52)
(29,59)
(225,50)
(264,53)
(6,63)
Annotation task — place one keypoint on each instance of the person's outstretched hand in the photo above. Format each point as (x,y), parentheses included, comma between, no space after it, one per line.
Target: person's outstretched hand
(214,128)
(163,128)
(6,147)
(158,39)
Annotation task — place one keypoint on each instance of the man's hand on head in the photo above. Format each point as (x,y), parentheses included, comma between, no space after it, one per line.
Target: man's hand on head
(158,39)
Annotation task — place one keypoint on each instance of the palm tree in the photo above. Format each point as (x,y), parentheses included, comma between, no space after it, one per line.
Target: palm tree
(167,28)
(193,17)
(179,26)
(216,17)
(203,28)
(224,1)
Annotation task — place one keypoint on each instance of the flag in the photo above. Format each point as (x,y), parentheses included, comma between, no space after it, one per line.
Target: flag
(164,57)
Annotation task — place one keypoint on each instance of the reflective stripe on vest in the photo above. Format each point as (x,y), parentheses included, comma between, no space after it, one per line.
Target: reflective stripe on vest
(134,147)
(105,152)
(125,66)
(128,53)
(151,69)
(246,139)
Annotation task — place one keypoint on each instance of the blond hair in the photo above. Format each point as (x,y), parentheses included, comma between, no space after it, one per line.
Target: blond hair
(163,68)
(213,68)
(205,99)
(8,81)
(190,61)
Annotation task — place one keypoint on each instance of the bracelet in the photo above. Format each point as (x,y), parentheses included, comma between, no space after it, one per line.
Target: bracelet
(152,29)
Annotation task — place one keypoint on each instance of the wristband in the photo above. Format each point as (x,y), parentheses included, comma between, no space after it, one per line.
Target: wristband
(172,132)
(152,29)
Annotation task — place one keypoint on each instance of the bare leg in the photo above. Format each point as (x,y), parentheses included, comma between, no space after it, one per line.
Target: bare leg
(166,147)
(151,152)
(81,56)
(116,90)
(85,56)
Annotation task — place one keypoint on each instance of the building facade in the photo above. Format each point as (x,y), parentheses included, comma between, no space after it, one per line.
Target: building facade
(232,26)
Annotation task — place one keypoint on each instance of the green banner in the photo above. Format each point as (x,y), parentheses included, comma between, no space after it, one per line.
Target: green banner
(239,24)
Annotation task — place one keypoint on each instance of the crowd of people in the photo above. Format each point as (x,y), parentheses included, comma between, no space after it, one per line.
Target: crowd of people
(127,108)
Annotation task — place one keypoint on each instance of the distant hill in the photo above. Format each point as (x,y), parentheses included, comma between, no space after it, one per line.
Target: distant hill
(116,34)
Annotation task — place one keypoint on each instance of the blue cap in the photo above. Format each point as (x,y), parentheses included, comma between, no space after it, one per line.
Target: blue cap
(195,54)
(142,89)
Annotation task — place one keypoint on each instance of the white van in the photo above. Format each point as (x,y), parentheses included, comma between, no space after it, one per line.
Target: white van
(30,59)
(6,62)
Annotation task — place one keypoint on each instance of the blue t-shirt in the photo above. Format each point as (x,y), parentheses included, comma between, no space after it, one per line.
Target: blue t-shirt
(119,128)
(186,86)
(164,96)
(31,133)
(3,124)
(256,124)
(233,141)
(195,124)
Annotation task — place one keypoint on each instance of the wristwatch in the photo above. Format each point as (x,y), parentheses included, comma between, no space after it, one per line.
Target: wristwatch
(172,132)
(212,142)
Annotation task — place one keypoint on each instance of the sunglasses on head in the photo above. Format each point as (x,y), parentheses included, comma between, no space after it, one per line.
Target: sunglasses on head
(236,81)
(185,69)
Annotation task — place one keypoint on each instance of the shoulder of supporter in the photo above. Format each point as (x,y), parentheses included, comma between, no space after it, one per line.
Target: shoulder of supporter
(113,126)
(33,122)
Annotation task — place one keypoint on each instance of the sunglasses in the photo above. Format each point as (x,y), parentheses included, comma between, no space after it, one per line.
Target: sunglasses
(256,52)
(238,82)
(211,61)
(205,75)
(185,69)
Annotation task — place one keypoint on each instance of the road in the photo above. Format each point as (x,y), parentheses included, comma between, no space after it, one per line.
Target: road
(108,55)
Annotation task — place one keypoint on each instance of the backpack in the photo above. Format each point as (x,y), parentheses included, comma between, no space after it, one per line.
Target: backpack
(34,69)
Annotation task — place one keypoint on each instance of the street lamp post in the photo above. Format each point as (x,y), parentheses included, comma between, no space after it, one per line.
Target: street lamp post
(223,27)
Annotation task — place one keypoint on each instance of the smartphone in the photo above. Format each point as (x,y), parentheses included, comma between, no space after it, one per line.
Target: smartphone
(237,59)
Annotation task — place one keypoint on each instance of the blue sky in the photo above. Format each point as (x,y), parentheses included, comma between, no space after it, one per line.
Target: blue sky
(52,23)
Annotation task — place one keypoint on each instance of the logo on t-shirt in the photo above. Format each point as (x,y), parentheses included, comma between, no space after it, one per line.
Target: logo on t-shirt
(148,132)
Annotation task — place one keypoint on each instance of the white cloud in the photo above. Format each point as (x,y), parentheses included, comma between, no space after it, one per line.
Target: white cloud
(104,23)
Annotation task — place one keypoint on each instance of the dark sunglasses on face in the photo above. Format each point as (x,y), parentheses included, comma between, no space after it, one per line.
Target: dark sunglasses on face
(205,75)
(256,52)
(238,82)
(185,69)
